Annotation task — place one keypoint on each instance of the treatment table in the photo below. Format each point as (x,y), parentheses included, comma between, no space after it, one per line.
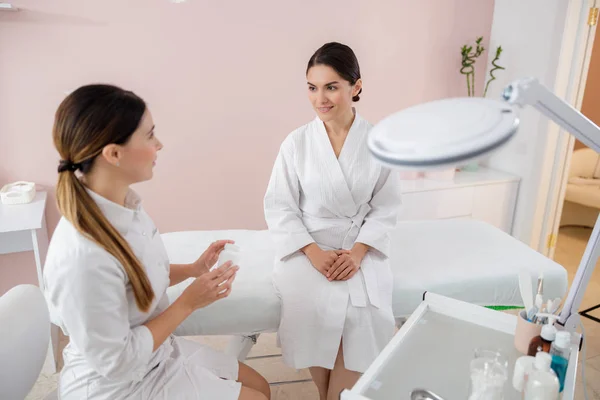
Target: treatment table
(463,259)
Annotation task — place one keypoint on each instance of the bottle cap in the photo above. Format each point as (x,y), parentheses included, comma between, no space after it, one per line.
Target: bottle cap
(548,332)
(563,339)
(543,361)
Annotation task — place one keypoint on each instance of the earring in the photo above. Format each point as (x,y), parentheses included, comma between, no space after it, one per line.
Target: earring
(118,164)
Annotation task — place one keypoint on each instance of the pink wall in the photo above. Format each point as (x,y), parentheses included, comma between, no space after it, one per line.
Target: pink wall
(224,81)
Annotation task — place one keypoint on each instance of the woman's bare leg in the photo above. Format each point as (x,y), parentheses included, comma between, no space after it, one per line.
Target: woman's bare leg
(341,378)
(320,377)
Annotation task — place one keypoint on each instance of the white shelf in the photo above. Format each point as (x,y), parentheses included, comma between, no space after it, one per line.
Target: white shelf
(8,7)
(483,176)
(23,217)
(486,195)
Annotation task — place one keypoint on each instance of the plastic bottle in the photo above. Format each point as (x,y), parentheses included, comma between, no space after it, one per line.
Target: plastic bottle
(523,367)
(544,341)
(230,252)
(561,351)
(542,383)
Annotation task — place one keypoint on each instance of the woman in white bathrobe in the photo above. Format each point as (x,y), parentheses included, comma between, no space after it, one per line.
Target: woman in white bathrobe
(330,208)
(107,271)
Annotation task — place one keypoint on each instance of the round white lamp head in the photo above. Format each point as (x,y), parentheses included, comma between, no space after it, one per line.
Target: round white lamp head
(442,133)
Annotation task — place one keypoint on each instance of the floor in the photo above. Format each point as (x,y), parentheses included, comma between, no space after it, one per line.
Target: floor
(288,384)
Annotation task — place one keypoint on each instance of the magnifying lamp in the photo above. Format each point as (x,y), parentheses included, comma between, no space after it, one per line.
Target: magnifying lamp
(454,131)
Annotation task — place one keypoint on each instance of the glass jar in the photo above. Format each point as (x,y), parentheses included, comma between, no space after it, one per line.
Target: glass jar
(489,372)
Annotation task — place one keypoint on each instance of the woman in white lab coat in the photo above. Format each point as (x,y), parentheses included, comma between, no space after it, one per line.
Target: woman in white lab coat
(330,208)
(107,270)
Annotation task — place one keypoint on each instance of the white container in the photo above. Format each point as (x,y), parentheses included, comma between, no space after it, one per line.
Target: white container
(18,193)
(523,367)
(231,252)
(542,383)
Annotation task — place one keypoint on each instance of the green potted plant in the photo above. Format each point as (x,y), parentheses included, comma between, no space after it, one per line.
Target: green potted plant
(469,55)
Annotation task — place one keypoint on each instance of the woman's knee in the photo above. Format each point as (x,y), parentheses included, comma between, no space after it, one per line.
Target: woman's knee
(251,379)
(263,386)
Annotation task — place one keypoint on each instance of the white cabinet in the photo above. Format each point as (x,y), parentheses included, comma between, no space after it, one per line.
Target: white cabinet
(486,195)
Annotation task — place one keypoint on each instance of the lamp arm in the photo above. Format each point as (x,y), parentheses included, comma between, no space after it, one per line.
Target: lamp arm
(531,92)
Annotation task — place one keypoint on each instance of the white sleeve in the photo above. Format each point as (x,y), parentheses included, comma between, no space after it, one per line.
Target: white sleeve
(89,296)
(383,216)
(282,210)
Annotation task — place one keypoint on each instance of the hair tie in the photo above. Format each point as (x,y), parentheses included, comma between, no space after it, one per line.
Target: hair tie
(66,165)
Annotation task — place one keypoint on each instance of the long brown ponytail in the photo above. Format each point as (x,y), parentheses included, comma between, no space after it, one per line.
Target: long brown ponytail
(89,119)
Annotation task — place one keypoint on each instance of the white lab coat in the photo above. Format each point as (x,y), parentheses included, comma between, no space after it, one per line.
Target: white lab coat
(314,197)
(109,355)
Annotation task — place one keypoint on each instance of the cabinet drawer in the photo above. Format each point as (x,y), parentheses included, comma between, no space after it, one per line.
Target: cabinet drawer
(436,204)
(495,204)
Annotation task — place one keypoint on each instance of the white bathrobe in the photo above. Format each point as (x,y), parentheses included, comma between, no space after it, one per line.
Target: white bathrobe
(315,197)
(110,353)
